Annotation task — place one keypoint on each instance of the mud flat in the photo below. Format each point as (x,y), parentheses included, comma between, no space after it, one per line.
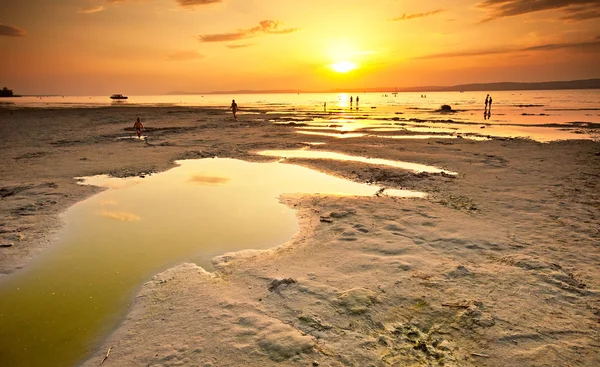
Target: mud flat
(497,266)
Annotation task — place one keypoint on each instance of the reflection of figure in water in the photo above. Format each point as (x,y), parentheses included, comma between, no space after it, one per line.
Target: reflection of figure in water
(138,127)
(234,108)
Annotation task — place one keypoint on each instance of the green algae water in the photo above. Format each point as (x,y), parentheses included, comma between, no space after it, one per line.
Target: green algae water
(55,310)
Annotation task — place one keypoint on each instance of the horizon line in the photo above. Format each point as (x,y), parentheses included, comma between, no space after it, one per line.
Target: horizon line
(594,83)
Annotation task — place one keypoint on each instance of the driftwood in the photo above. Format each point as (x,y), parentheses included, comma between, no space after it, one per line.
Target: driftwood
(106,356)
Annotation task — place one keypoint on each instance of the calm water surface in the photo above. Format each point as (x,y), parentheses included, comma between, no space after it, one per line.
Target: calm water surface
(531,114)
(55,310)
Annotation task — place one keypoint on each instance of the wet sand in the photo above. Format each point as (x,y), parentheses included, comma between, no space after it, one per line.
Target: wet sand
(498,266)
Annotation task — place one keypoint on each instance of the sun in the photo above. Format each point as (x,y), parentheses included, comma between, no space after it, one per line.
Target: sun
(343,66)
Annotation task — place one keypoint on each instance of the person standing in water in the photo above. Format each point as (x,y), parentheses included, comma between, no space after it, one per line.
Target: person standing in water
(489,108)
(350,101)
(139,127)
(234,108)
(487,101)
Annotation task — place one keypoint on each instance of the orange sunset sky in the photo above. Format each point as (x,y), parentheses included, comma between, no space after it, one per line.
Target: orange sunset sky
(98,47)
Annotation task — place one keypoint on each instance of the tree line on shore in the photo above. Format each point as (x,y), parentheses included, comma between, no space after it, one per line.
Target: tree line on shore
(5,92)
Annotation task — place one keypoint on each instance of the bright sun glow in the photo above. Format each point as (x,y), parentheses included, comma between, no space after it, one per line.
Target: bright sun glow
(343,67)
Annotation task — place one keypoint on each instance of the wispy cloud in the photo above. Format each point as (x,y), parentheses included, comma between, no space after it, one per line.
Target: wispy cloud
(10,31)
(108,202)
(90,9)
(185,56)
(590,46)
(193,3)
(182,3)
(416,15)
(209,180)
(121,216)
(573,10)
(264,28)
(241,45)
(582,46)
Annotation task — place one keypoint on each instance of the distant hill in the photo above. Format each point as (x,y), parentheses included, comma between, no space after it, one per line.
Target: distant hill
(570,84)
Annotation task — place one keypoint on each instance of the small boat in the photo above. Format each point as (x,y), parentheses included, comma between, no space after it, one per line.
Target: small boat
(118,96)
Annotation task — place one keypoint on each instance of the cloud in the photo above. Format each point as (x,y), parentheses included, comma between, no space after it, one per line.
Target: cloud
(416,15)
(593,46)
(265,27)
(122,216)
(10,31)
(241,45)
(582,46)
(90,9)
(192,3)
(209,181)
(573,10)
(108,202)
(182,3)
(185,56)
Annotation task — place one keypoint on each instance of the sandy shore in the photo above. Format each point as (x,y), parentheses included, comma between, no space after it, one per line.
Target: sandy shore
(499,266)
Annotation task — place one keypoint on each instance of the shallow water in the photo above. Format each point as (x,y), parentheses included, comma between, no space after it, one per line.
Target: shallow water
(511,111)
(316,154)
(55,310)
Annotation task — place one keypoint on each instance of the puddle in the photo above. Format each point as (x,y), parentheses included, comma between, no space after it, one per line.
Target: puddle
(418,137)
(313,143)
(439,136)
(343,135)
(54,311)
(132,137)
(427,129)
(314,154)
(333,135)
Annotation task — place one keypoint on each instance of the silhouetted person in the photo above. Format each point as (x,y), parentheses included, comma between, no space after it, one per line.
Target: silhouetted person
(490,106)
(357,100)
(350,101)
(324,106)
(487,101)
(138,127)
(234,108)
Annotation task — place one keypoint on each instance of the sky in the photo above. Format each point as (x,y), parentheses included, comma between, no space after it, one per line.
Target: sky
(148,47)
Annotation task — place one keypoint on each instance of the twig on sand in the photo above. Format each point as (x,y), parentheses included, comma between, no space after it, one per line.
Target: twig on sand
(480,355)
(106,356)
(455,305)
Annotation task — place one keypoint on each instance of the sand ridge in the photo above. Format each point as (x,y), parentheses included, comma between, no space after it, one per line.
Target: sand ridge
(497,267)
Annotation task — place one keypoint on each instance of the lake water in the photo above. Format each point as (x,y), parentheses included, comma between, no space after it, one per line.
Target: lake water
(541,115)
(55,310)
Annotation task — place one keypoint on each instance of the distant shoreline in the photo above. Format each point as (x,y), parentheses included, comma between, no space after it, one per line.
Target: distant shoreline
(476,87)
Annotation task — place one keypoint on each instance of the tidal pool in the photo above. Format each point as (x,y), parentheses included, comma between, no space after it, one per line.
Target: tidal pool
(55,310)
(316,154)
